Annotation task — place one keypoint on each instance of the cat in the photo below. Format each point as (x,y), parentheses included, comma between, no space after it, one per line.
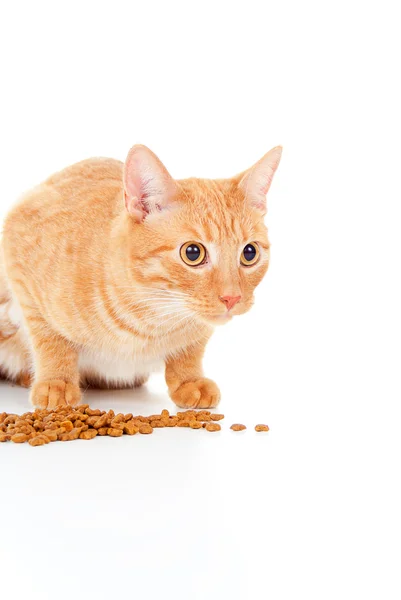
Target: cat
(109,270)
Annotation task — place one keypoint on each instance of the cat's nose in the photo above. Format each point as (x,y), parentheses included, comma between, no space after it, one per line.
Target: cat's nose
(230,301)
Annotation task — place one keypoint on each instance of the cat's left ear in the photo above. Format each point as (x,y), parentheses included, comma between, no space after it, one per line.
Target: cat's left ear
(148,186)
(255,182)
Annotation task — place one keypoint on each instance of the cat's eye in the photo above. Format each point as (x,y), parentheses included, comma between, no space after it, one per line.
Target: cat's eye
(193,253)
(250,255)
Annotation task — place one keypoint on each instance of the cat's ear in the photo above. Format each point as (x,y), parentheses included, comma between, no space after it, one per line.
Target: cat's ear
(148,186)
(255,182)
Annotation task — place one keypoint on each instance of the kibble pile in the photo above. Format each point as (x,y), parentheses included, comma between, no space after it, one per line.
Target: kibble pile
(65,424)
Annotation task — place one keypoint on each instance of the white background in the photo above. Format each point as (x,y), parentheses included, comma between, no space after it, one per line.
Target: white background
(312,509)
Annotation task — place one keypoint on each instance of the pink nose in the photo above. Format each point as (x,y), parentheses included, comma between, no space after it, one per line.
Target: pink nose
(230,301)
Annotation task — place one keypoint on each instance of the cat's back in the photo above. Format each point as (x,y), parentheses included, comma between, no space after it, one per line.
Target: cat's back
(89,187)
(86,174)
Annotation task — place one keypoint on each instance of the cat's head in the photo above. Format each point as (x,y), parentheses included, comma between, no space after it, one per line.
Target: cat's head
(198,243)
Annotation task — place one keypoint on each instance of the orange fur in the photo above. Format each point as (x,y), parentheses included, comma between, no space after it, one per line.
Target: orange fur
(92,292)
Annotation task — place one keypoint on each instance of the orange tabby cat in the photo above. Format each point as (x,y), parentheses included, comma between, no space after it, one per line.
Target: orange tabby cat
(109,270)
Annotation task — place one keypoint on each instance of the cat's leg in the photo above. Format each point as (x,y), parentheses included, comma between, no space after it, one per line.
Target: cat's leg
(56,367)
(15,357)
(140,381)
(187,386)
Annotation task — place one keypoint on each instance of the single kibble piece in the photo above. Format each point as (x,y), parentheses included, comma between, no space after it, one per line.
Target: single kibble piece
(261,428)
(216,417)
(37,441)
(72,417)
(10,419)
(68,426)
(75,433)
(102,431)
(93,413)
(53,425)
(146,428)
(51,435)
(88,435)
(238,427)
(157,423)
(68,436)
(183,423)
(59,431)
(44,437)
(118,419)
(19,438)
(186,415)
(100,422)
(21,423)
(130,428)
(119,425)
(142,419)
(203,413)
(165,414)
(201,417)
(195,425)
(114,432)
(212,427)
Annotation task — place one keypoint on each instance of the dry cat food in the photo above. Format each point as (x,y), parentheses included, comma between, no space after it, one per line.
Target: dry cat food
(66,424)
(212,426)
(261,428)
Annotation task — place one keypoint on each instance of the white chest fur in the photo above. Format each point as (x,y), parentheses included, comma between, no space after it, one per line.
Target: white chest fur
(117,368)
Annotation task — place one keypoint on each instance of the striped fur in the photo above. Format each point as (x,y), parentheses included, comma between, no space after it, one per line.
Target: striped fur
(94,294)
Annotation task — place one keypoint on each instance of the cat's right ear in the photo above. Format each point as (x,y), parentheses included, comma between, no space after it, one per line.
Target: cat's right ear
(255,182)
(148,186)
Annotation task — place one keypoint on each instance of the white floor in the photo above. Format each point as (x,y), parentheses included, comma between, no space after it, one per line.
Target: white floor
(310,509)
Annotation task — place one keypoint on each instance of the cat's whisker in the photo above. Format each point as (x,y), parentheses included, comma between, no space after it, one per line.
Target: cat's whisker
(147,299)
(152,290)
(159,324)
(150,311)
(131,293)
(135,300)
(149,294)
(186,316)
(151,308)
(160,317)
(163,334)
(150,303)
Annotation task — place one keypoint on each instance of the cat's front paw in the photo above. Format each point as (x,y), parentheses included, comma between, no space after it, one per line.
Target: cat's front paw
(49,394)
(202,393)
